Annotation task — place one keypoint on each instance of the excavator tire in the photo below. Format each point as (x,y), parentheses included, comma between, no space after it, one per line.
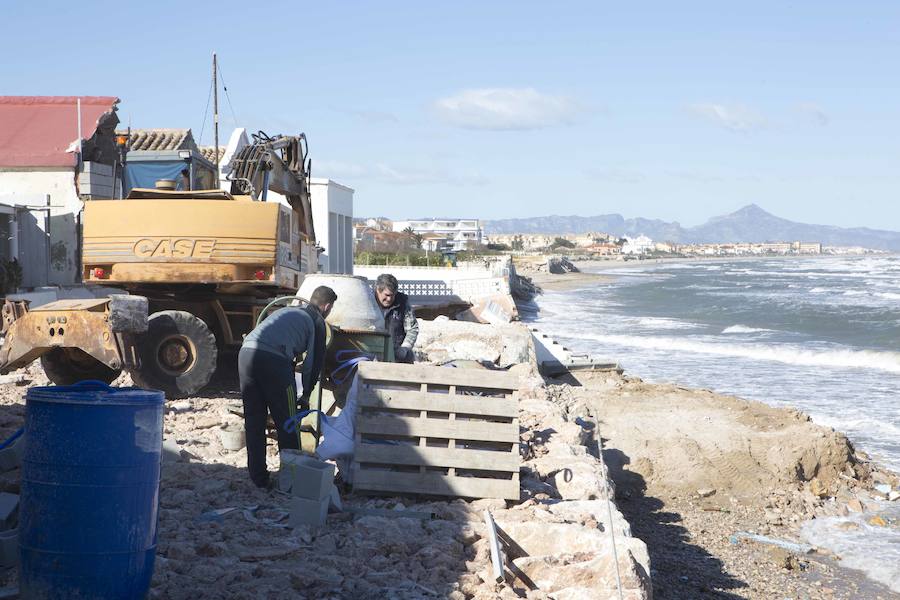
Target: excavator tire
(177,354)
(67,366)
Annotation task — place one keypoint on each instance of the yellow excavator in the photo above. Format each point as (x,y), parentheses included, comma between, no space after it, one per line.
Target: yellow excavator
(195,270)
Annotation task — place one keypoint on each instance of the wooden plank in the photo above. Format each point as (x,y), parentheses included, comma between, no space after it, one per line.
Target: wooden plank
(435,402)
(477,378)
(437,428)
(460,458)
(434,484)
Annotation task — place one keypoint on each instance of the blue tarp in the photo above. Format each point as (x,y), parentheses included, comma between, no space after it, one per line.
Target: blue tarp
(146,174)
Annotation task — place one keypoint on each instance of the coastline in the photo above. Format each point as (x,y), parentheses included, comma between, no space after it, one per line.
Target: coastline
(687,488)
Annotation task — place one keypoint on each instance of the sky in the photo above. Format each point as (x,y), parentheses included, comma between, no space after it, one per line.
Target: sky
(672,110)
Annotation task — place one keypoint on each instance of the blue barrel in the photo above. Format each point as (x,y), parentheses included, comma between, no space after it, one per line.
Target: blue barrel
(90,491)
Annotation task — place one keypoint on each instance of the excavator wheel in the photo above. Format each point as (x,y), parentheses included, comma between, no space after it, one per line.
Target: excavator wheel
(177,354)
(66,366)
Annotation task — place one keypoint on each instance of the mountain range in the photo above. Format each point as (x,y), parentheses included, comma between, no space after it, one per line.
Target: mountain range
(748,224)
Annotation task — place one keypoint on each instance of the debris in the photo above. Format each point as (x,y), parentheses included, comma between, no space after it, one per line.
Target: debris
(883,488)
(384,512)
(496,553)
(762,539)
(180,405)
(894,495)
(817,489)
(265,553)
(877,521)
(233,437)
(783,558)
(13,378)
(706,492)
(215,515)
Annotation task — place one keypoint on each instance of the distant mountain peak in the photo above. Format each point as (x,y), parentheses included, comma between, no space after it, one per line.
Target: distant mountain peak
(750,223)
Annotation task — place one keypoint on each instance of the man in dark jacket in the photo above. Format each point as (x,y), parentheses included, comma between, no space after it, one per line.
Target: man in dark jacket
(399,318)
(266,371)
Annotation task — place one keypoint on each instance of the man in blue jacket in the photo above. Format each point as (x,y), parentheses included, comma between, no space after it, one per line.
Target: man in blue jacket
(266,371)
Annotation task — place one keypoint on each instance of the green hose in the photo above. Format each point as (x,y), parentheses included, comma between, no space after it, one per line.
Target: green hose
(277,300)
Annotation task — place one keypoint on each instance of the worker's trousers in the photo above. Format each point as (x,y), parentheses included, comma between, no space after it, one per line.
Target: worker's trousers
(267,385)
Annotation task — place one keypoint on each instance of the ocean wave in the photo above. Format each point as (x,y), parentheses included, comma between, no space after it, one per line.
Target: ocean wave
(787,354)
(888,295)
(663,323)
(744,329)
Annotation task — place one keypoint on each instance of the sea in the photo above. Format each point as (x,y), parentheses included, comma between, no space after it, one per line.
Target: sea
(820,334)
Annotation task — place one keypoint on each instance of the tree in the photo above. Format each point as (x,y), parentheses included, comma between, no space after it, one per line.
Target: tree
(418,238)
(562,243)
(518,243)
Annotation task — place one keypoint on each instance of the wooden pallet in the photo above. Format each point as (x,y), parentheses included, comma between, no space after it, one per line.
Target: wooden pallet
(436,431)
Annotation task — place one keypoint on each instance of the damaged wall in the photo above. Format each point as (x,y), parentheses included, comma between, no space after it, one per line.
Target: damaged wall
(30,187)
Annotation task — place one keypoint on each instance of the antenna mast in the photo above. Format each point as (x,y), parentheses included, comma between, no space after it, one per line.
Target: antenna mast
(216,116)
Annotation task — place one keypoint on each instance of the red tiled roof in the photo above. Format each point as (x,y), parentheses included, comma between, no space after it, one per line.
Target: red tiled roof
(36,131)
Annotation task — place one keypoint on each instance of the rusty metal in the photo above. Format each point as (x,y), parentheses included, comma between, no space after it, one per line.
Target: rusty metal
(82,324)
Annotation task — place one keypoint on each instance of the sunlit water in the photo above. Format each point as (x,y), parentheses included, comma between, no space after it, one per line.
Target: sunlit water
(818,334)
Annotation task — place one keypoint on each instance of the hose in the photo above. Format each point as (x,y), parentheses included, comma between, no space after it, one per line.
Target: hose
(264,311)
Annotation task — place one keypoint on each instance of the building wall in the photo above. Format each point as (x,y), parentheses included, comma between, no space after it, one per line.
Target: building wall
(332,206)
(30,188)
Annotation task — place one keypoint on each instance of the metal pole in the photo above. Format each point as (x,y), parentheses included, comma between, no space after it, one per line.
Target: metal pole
(216,116)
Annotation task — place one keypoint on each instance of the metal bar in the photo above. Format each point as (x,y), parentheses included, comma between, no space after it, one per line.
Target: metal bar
(496,553)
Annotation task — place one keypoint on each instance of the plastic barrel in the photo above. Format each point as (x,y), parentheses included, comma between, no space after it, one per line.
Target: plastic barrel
(90,491)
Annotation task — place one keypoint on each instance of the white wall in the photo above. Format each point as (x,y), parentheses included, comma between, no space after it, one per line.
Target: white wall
(332,206)
(30,187)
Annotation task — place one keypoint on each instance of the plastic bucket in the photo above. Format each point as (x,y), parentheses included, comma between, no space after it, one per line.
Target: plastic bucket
(90,491)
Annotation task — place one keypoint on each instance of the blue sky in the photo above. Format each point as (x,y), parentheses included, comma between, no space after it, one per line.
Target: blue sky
(678,111)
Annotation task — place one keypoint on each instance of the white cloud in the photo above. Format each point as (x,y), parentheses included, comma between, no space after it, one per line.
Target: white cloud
(506,109)
(397,175)
(737,117)
(814,112)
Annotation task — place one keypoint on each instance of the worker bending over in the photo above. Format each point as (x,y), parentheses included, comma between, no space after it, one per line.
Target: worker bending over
(399,318)
(266,370)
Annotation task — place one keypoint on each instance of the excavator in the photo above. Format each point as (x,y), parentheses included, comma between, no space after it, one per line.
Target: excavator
(179,276)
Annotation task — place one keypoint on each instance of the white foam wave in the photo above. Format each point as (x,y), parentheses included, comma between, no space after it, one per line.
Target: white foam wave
(788,354)
(868,548)
(888,295)
(855,293)
(663,323)
(744,329)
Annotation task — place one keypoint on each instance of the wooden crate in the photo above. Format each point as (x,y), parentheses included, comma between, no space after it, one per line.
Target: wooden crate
(437,431)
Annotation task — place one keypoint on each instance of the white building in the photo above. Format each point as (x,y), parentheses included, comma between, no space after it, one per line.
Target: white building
(332,206)
(639,245)
(460,234)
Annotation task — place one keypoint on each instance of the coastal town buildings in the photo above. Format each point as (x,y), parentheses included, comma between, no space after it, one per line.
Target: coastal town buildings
(445,234)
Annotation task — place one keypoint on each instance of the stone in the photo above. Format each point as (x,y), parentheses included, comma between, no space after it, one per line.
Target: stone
(894,495)
(856,506)
(817,489)
(877,521)
(706,492)
(782,558)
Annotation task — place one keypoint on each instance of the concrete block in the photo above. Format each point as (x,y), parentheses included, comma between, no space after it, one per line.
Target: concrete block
(304,476)
(308,512)
(11,456)
(9,548)
(9,510)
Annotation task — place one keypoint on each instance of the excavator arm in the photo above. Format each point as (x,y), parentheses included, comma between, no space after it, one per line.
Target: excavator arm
(279,164)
